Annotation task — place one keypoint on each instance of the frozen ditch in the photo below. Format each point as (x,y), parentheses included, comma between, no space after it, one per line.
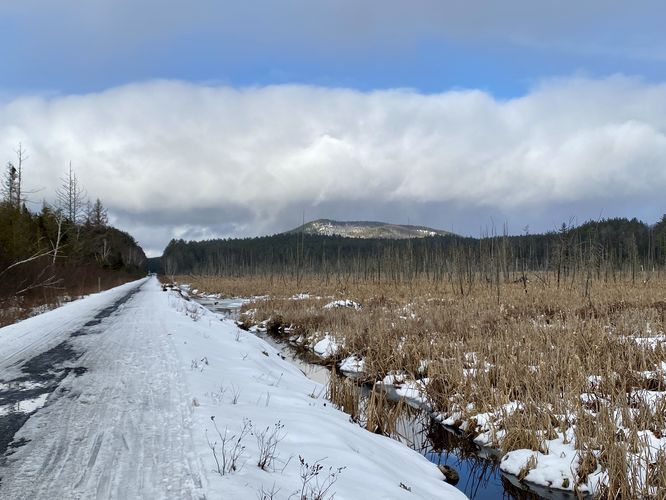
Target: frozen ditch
(477,469)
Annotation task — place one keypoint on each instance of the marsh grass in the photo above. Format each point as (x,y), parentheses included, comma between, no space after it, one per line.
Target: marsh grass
(588,357)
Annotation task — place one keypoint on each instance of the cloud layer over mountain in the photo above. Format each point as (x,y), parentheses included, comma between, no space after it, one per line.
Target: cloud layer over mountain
(179,159)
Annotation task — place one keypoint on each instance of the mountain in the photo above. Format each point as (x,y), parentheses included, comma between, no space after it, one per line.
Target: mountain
(366,230)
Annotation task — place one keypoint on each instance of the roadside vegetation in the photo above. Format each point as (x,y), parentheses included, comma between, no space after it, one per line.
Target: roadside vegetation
(65,250)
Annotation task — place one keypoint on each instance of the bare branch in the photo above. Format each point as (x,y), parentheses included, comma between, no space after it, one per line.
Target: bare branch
(24,261)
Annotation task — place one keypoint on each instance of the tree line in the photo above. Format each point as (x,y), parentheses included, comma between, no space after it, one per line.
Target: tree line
(66,247)
(600,250)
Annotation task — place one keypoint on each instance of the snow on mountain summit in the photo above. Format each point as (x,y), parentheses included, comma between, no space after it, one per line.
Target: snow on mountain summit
(366,229)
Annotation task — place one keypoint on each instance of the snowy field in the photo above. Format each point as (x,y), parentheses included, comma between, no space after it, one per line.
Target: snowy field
(176,402)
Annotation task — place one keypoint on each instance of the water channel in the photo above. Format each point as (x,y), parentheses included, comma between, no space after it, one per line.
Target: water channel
(479,476)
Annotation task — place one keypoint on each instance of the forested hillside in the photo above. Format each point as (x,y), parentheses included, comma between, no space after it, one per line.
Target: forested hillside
(604,247)
(66,249)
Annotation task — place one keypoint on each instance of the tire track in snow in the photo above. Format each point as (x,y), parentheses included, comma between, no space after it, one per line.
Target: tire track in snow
(122,429)
(42,373)
(20,344)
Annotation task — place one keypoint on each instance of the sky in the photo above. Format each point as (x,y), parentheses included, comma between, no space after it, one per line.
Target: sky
(208,118)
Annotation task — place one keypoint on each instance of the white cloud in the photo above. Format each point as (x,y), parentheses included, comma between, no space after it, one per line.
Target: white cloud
(202,161)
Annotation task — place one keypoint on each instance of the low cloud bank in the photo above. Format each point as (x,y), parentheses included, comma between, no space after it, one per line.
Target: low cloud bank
(180,159)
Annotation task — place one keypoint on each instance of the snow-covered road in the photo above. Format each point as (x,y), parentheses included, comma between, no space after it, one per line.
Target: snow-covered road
(130,379)
(121,429)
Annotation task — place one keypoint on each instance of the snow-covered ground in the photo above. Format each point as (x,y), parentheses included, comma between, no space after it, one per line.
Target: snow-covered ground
(166,382)
(21,341)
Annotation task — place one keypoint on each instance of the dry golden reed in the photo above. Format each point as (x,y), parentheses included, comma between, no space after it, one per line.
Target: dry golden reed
(564,352)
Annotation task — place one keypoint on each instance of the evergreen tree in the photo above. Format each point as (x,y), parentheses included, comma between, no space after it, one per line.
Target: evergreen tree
(96,214)
(10,186)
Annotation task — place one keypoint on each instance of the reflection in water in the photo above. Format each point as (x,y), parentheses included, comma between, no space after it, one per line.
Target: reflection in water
(478,468)
(479,478)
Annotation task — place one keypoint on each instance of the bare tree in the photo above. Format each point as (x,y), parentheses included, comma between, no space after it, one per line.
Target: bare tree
(20,157)
(103,253)
(170,267)
(133,257)
(55,245)
(70,197)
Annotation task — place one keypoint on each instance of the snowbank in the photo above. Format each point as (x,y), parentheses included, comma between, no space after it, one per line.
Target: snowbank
(353,366)
(398,386)
(326,347)
(554,469)
(243,383)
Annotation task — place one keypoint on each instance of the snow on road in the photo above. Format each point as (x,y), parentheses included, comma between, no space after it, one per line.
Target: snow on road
(136,423)
(23,340)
